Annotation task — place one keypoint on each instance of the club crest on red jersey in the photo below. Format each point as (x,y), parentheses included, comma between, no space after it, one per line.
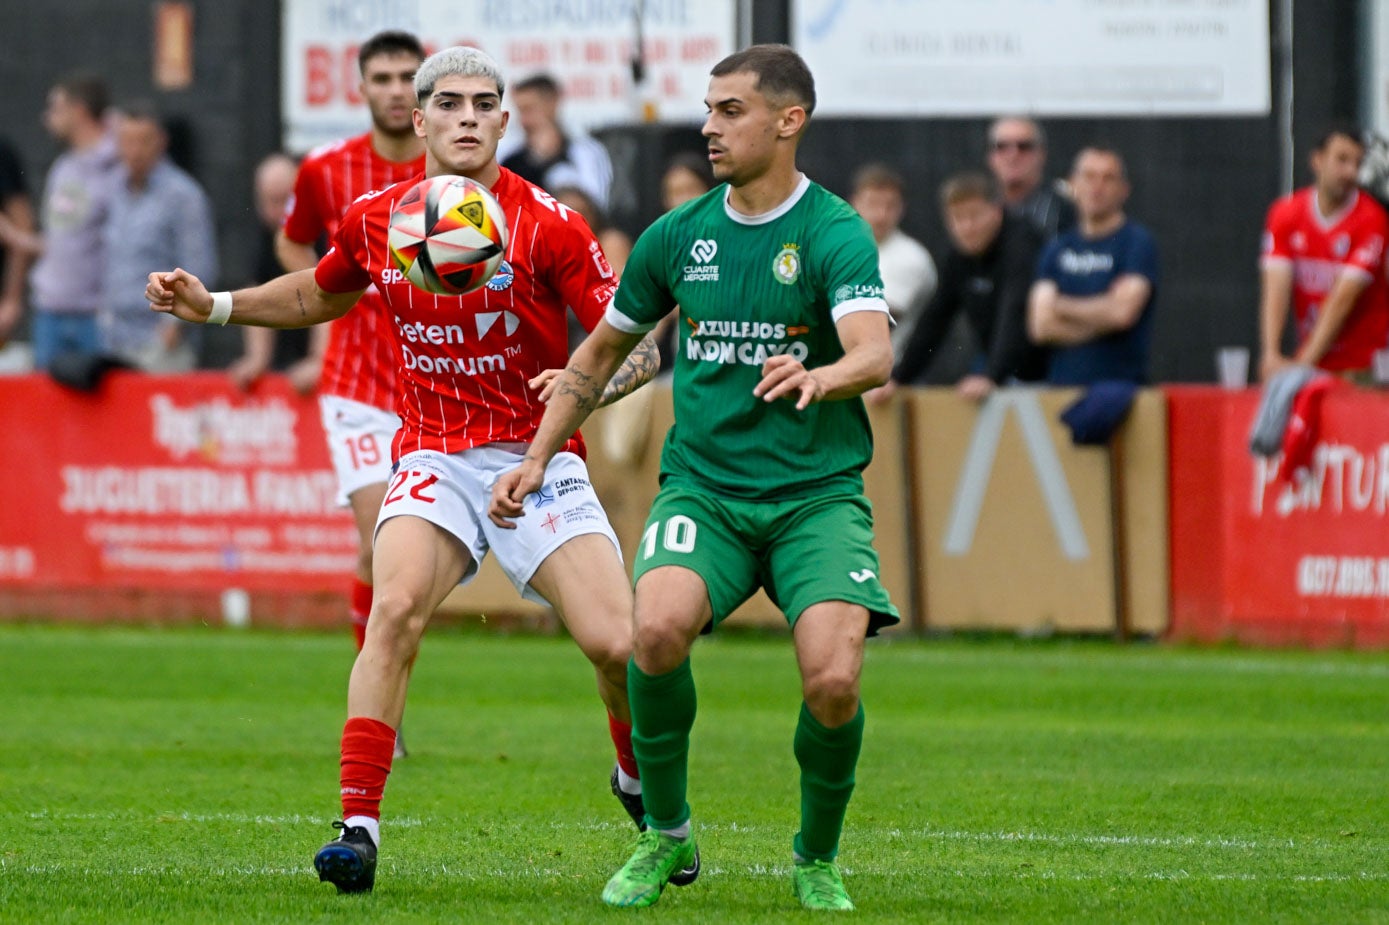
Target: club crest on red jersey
(503,278)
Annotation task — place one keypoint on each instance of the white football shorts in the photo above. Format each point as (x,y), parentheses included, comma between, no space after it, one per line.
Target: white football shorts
(359,442)
(452,491)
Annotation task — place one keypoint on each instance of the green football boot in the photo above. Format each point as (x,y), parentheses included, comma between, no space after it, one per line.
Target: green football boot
(658,859)
(819,886)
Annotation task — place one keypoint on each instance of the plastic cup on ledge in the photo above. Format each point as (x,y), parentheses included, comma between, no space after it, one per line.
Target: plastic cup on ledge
(1233,365)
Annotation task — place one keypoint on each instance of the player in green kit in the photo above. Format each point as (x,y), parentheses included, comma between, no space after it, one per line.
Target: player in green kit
(782,327)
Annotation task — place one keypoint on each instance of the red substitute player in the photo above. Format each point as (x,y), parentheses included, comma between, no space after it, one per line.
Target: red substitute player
(469,407)
(1324,248)
(355,371)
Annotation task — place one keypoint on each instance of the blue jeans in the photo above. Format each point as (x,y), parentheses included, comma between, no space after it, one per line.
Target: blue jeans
(52,333)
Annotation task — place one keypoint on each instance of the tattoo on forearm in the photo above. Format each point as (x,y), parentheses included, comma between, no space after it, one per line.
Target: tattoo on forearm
(585,390)
(303,309)
(640,367)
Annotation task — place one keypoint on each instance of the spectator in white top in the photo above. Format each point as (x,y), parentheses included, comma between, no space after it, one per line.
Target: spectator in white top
(909,274)
(551,157)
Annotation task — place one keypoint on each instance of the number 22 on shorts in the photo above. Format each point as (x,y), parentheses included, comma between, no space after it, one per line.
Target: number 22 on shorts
(415,483)
(678,536)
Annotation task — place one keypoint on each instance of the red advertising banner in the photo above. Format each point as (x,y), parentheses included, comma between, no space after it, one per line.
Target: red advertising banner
(166,483)
(1262,559)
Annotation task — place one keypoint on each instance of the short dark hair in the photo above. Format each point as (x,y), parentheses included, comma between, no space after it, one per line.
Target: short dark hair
(695,163)
(874,175)
(1339,128)
(586,206)
(88,90)
(541,83)
(1039,133)
(142,110)
(389,42)
(967,184)
(781,73)
(1102,147)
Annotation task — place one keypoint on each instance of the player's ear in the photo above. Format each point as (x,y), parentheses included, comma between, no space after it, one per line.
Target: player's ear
(417,117)
(792,121)
(506,117)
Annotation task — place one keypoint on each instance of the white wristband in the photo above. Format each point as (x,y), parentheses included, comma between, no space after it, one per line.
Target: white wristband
(221,308)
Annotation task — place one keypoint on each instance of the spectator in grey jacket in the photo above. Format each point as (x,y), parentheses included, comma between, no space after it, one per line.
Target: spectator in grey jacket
(159,217)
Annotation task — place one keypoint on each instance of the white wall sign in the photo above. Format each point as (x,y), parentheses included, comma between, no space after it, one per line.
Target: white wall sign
(586,46)
(1375,107)
(1050,57)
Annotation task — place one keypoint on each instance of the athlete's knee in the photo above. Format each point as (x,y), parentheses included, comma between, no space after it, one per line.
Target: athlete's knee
(832,693)
(610,656)
(660,645)
(398,618)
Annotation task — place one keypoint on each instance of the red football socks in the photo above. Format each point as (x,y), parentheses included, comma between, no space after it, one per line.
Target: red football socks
(622,739)
(367,747)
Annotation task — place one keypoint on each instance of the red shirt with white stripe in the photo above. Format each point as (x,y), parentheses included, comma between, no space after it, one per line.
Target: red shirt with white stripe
(1320,248)
(360,361)
(465,360)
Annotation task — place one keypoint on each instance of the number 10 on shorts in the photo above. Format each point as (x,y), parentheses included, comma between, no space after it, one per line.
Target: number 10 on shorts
(678,535)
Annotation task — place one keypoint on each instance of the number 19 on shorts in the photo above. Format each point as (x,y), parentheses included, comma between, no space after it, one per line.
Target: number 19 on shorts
(676,535)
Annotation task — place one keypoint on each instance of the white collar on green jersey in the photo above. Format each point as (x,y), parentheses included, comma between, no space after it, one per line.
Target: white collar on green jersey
(771,215)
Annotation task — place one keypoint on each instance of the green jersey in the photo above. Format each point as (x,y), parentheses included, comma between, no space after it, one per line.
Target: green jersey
(750,288)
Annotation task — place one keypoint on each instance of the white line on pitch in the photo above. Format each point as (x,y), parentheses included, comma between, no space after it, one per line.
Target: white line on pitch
(457,872)
(929,834)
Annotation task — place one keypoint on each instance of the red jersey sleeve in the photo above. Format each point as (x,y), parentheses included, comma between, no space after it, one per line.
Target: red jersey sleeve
(344,267)
(579,271)
(1278,229)
(305,219)
(1367,239)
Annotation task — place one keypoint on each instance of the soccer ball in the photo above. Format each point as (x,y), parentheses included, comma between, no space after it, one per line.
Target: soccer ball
(447,235)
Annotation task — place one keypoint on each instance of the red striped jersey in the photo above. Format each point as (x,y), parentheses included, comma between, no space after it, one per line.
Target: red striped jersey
(360,362)
(465,360)
(1320,248)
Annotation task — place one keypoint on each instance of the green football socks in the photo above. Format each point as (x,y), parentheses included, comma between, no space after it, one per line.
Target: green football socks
(663,712)
(827,758)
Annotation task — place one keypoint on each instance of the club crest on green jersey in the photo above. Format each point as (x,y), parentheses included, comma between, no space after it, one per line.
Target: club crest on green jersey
(786,267)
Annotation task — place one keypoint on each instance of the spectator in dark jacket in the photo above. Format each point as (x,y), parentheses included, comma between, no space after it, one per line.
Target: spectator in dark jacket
(1018,159)
(985,276)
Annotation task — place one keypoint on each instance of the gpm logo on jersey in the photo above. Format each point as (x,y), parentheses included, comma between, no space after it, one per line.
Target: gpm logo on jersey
(499,282)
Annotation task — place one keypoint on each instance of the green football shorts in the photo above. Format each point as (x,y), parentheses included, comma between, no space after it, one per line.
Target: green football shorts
(802,552)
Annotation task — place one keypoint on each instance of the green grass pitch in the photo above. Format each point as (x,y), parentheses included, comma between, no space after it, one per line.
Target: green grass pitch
(188,776)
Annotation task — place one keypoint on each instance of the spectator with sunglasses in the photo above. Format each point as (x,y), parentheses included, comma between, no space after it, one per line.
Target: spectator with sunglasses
(1017,158)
